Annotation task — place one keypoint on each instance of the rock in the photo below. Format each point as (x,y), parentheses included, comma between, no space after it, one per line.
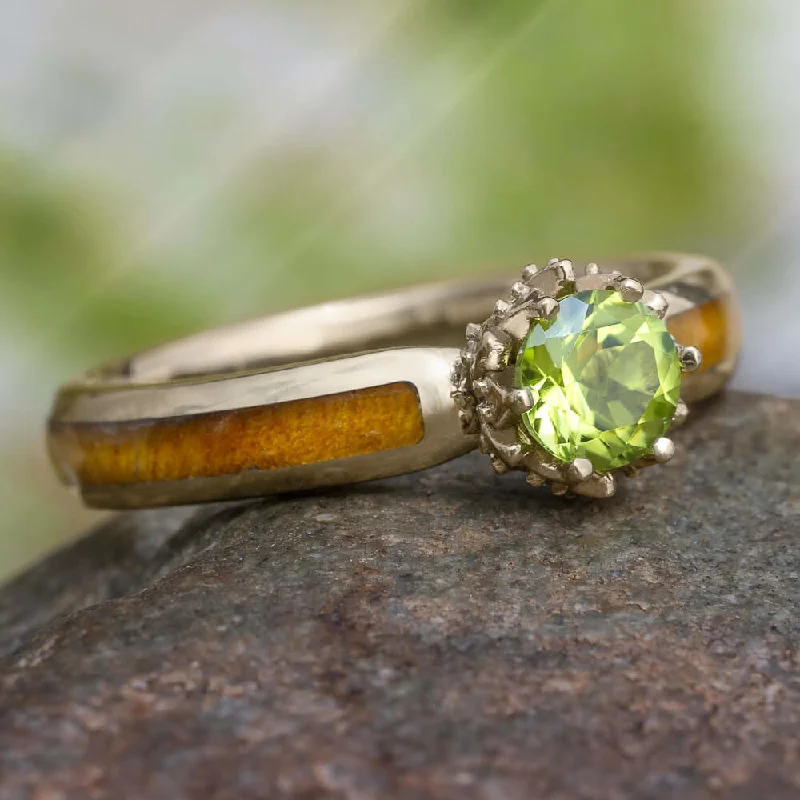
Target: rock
(450,634)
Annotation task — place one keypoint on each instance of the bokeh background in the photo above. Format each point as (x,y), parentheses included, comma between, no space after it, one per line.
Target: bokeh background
(171,165)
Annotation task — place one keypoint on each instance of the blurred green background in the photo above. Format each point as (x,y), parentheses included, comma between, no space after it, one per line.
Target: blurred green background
(167,166)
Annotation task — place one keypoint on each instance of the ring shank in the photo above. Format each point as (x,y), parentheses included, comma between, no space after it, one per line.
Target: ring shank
(343,392)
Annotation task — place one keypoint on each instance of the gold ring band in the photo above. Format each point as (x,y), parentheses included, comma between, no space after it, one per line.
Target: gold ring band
(338,393)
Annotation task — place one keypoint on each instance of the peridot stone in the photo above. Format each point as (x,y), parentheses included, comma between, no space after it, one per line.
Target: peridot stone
(605,379)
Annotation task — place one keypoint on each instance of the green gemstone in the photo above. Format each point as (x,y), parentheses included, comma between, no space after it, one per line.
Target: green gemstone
(605,379)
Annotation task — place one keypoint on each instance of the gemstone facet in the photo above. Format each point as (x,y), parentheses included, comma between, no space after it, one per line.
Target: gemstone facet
(605,380)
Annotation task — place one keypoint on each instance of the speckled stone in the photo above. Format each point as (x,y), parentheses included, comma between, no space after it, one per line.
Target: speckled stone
(451,634)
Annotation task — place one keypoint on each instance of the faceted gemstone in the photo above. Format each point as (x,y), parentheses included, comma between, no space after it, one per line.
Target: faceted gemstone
(605,379)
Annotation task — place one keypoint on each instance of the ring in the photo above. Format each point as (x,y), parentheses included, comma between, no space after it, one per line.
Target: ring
(571,379)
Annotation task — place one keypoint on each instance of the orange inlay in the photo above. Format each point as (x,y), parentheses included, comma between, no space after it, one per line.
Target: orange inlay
(710,327)
(229,442)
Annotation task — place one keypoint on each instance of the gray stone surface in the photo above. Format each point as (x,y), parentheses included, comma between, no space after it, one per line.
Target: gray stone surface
(448,635)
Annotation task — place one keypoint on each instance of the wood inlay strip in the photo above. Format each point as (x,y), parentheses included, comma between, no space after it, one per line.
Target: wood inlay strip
(230,442)
(710,327)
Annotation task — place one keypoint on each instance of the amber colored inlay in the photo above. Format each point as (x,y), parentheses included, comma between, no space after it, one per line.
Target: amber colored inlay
(710,327)
(229,442)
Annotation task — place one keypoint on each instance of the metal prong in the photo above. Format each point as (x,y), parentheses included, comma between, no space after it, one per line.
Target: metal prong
(663,450)
(500,308)
(656,302)
(520,400)
(691,358)
(592,269)
(607,486)
(597,486)
(473,330)
(681,412)
(553,262)
(529,272)
(498,352)
(579,470)
(520,290)
(548,308)
(630,290)
(510,454)
(565,270)
(486,414)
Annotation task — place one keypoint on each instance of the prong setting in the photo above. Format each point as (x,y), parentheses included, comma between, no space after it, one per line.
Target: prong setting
(681,412)
(547,308)
(491,404)
(630,290)
(520,290)
(663,450)
(580,470)
(566,271)
(501,308)
(520,400)
(656,302)
(691,358)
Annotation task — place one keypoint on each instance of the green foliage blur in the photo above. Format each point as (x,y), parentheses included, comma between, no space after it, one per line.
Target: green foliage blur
(462,137)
